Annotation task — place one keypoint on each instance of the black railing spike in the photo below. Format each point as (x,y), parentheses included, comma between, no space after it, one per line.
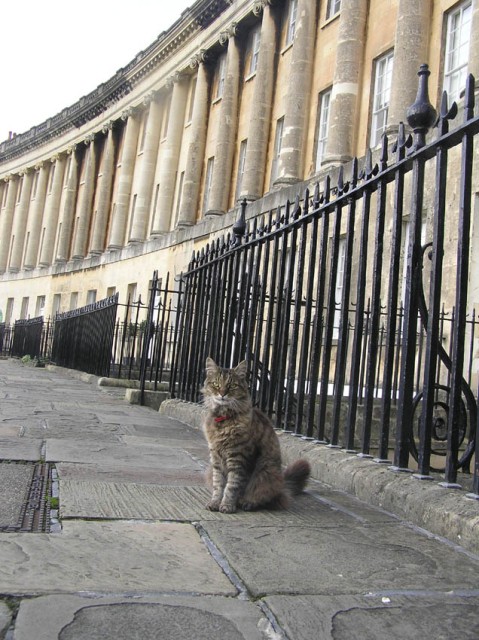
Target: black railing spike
(262,226)
(255,228)
(287,208)
(316,196)
(341,180)
(421,115)
(297,208)
(383,159)
(277,222)
(354,173)
(368,165)
(327,188)
(445,114)
(469,98)
(403,141)
(239,227)
(306,201)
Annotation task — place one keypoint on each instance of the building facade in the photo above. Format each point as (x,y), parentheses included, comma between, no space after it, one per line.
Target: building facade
(238,99)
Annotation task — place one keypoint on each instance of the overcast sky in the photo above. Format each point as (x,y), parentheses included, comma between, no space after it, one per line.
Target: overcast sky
(53,52)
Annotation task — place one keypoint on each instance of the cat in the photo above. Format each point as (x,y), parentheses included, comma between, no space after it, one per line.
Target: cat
(245,455)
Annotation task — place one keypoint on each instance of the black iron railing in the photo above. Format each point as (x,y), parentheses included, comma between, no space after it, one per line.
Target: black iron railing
(83,337)
(30,337)
(337,303)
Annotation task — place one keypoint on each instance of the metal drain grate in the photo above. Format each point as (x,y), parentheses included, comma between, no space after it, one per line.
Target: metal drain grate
(36,515)
(34,512)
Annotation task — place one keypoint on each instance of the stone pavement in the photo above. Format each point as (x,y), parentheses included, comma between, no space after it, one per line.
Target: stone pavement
(138,555)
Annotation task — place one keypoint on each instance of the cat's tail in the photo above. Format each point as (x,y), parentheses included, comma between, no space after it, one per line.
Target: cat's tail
(296,476)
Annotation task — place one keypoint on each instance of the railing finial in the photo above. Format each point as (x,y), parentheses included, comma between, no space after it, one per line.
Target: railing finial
(421,115)
(239,227)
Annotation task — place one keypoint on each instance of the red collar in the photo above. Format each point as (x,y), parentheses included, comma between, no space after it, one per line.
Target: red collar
(221,418)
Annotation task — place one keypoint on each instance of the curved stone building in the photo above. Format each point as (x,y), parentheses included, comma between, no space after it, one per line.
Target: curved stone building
(238,99)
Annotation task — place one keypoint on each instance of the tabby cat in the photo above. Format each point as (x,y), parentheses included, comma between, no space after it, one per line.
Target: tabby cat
(245,455)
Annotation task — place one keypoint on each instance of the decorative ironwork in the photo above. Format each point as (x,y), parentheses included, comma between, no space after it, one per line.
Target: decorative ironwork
(339,349)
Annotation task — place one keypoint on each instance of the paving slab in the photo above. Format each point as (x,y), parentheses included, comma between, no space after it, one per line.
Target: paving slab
(161,618)
(149,454)
(15,481)
(115,557)
(129,416)
(18,448)
(88,497)
(58,427)
(160,427)
(441,616)
(105,472)
(130,500)
(196,445)
(338,560)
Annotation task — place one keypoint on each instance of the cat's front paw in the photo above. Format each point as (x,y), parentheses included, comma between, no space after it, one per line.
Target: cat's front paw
(213,505)
(227,507)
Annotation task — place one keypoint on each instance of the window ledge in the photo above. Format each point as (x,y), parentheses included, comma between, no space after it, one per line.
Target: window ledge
(287,48)
(327,22)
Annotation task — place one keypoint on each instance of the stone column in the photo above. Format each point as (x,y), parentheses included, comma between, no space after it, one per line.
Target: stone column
(410,51)
(148,168)
(20,223)
(85,202)
(291,160)
(227,128)
(258,134)
(170,155)
(6,221)
(52,211)
(35,217)
(98,236)
(123,194)
(196,150)
(473,66)
(68,210)
(344,96)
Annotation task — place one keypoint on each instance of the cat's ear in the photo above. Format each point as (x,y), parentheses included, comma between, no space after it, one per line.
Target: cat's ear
(242,369)
(211,366)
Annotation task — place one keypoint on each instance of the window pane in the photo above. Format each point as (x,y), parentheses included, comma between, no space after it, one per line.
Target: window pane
(334,7)
(254,42)
(208,180)
(457,50)
(241,165)
(293,10)
(323,126)
(278,140)
(381,97)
